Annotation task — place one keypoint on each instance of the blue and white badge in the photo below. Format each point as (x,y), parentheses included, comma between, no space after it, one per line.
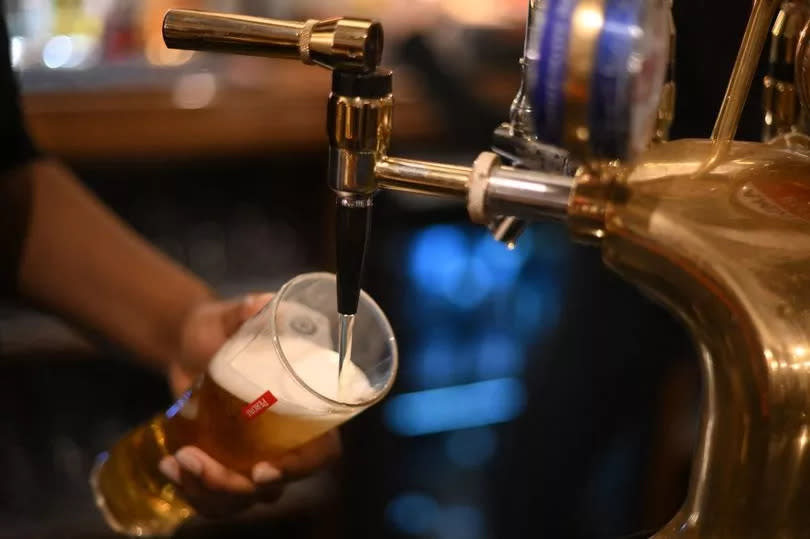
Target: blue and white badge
(600,68)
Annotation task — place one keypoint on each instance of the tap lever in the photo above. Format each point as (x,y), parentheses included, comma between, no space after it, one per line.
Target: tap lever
(353,225)
(339,43)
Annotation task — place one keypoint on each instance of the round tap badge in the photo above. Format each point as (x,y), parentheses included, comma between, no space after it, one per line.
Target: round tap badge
(600,70)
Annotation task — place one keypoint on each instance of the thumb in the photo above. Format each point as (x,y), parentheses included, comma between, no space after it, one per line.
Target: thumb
(209,326)
(253,303)
(235,313)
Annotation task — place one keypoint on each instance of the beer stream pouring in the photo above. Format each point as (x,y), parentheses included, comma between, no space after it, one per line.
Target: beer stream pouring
(716,230)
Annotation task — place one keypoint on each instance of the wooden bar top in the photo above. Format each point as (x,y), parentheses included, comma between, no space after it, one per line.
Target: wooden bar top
(245,107)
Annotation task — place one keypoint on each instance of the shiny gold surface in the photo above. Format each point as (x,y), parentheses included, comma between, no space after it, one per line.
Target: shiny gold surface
(666,107)
(744,68)
(359,131)
(586,26)
(588,202)
(422,177)
(360,124)
(235,34)
(666,112)
(802,74)
(349,44)
(728,250)
(345,43)
(785,33)
(780,105)
(780,98)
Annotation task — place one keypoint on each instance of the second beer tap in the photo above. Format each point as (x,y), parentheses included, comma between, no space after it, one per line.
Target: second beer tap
(359,127)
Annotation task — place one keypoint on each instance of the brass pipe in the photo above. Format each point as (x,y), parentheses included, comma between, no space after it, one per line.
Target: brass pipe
(743,74)
(423,177)
(727,251)
(802,66)
(340,43)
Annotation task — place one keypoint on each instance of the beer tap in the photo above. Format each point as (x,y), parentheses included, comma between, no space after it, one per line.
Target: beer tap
(359,123)
(359,126)
(716,230)
(359,112)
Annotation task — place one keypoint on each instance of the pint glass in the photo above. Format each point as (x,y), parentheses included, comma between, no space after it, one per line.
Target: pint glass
(272,387)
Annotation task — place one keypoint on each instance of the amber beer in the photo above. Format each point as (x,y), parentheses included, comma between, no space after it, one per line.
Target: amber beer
(272,387)
(136,496)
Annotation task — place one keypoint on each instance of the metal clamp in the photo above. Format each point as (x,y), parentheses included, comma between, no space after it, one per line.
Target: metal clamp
(477,192)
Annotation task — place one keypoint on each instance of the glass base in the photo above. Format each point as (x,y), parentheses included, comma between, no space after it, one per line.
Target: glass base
(101,502)
(156,527)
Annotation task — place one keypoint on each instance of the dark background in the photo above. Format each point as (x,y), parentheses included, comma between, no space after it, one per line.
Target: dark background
(591,391)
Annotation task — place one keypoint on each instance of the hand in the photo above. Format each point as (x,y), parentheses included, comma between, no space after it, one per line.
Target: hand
(206,329)
(212,489)
(215,491)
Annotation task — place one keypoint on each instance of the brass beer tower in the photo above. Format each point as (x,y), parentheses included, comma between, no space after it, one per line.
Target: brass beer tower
(716,230)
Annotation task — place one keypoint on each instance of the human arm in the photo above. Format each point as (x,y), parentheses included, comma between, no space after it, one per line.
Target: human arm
(82,262)
(64,251)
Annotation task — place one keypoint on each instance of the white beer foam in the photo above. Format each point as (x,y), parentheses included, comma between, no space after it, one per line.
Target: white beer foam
(247,365)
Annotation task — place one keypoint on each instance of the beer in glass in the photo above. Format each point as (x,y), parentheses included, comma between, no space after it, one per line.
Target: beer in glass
(272,387)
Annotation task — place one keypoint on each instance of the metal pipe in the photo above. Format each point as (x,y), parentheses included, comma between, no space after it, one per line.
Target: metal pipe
(756,32)
(507,191)
(528,194)
(238,34)
(423,177)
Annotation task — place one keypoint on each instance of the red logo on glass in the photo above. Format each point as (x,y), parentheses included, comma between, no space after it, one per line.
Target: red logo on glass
(259,405)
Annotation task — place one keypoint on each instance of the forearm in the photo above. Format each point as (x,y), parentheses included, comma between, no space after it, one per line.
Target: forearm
(81,261)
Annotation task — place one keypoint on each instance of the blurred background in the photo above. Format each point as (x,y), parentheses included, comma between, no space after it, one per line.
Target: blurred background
(538,395)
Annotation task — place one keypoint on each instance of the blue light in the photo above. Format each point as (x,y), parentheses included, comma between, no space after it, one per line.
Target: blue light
(458,521)
(435,363)
(502,263)
(479,280)
(536,305)
(173,409)
(412,513)
(442,264)
(178,405)
(498,355)
(551,243)
(438,258)
(456,407)
(471,448)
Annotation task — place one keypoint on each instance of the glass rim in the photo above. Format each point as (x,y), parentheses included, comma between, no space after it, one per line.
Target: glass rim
(386,326)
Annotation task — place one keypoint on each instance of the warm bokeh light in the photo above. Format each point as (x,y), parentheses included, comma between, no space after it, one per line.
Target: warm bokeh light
(159,55)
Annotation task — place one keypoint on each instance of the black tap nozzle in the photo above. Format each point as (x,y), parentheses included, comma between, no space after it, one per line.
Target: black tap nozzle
(353,225)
